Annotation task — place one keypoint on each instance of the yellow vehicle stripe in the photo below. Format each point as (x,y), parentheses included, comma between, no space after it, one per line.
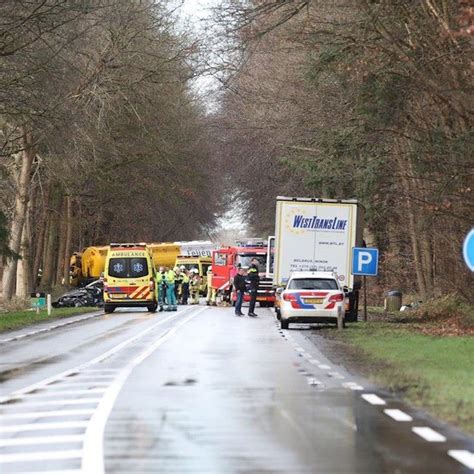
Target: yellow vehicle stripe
(137,291)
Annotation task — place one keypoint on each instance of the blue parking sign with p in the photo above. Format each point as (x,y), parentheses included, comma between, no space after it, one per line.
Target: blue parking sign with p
(365,261)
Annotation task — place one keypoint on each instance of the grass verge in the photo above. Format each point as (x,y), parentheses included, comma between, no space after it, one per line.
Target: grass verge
(432,372)
(19,319)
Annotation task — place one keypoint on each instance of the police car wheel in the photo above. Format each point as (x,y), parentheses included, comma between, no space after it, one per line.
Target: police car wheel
(284,324)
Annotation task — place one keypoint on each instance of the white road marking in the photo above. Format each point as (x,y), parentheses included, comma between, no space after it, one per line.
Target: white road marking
(398,415)
(66,383)
(93,454)
(300,349)
(324,366)
(47,414)
(43,426)
(50,328)
(101,358)
(55,393)
(114,371)
(353,386)
(47,455)
(313,381)
(314,361)
(25,403)
(373,399)
(463,456)
(428,434)
(41,440)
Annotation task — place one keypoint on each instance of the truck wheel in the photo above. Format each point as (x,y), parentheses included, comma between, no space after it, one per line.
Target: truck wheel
(278,314)
(152,308)
(109,308)
(284,324)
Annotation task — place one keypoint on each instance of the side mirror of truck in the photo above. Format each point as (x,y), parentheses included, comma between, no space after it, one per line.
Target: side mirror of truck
(345,289)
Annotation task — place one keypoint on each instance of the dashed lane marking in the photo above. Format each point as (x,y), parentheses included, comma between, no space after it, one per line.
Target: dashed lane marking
(352,386)
(4,443)
(47,455)
(313,381)
(59,393)
(25,403)
(324,366)
(314,361)
(373,399)
(428,434)
(463,456)
(47,414)
(335,375)
(43,426)
(398,415)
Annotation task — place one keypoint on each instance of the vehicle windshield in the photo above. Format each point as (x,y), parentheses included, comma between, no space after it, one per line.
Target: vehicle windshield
(312,284)
(246,259)
(128,267)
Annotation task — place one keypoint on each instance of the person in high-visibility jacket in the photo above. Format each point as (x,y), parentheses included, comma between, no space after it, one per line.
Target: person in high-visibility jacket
(194,286)
(211,292)
(170,278)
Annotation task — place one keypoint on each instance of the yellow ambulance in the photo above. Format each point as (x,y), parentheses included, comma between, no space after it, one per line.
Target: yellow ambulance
(129,278)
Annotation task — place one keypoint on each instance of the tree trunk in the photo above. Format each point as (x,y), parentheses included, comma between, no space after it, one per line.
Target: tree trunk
(40,239)
(23,281)
(47,279)
(19,215)
(68,240)
(62,244)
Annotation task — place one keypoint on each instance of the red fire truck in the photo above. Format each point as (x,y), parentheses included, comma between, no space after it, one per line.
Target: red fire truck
(224,263)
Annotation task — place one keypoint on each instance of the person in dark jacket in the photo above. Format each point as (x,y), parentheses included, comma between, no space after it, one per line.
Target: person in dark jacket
(253,281)
(239,285)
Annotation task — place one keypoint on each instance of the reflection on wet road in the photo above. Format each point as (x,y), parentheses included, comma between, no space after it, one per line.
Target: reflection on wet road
(202,391)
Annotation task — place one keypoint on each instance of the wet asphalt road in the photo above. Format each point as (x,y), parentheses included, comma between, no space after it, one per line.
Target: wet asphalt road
(201,391)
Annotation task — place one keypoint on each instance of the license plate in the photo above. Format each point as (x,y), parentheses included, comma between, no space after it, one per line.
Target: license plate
(313,300)
(118,296)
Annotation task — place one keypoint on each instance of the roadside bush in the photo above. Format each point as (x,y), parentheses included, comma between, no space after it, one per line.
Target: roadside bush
(450,313)
(15,304)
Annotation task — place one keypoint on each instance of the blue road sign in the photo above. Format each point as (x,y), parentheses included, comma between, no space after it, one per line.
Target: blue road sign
(365,261)
(468,250)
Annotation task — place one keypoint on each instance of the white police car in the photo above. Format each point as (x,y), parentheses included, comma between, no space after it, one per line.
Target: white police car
(311,297)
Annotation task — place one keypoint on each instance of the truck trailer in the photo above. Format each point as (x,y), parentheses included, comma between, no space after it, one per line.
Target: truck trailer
(313,234)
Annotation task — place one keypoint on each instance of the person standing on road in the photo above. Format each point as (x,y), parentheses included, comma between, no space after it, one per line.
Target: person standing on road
(253,281)
(161,287)
(194,286)
(177,283)
(239,285)
(211,292)
(170,279)
(185,287)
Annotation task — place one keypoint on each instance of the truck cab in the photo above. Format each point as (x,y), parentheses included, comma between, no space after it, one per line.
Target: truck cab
(224,264)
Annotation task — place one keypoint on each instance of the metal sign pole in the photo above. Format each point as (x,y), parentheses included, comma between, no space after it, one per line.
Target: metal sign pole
(365,298)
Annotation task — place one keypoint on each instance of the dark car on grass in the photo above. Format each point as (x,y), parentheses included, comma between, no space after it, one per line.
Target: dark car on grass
(89,295)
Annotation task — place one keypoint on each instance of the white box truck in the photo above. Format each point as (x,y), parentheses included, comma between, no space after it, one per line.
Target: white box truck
(319,235)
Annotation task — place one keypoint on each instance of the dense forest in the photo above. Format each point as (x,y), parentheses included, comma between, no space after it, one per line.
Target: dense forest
(105,136)
(357,99)
(102,136)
